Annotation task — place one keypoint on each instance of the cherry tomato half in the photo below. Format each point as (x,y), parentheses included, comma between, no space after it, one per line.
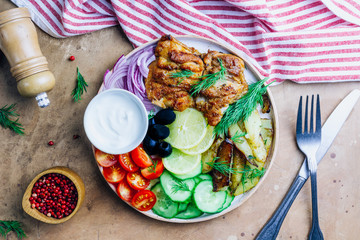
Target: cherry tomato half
(153,172)
(105,159)
(144,200)
(127,163)
(140,157)
(137,181)
(114,174)
(125,192)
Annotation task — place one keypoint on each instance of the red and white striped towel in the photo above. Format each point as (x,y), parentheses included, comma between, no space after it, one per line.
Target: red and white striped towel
(299,40)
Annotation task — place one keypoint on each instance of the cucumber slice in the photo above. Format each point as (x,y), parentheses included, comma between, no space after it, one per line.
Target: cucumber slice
(183,206)
(191,212)
(176,189)
(229,199)
(191,174)
(197,180)
(164,207)
(205,177)
(206,200)
(202,177)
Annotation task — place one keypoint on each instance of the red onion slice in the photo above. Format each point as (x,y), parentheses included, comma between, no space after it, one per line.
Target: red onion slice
(129,74)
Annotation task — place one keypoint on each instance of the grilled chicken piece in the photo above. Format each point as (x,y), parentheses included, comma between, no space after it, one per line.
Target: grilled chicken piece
(172,57)
(225,156)
(215,100)
(166,96)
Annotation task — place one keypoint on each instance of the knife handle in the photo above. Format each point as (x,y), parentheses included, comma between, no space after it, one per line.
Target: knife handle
(272,227)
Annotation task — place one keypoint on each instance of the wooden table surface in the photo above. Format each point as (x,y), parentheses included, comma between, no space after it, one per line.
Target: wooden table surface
(103,214)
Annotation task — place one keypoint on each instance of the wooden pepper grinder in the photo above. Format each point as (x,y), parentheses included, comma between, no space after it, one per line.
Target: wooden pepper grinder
(19,43)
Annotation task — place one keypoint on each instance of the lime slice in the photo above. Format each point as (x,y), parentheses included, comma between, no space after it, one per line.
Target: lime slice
(181,163)
(188,129)
(204,145)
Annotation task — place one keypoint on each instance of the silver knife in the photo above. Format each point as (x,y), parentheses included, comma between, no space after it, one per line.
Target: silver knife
(328,133)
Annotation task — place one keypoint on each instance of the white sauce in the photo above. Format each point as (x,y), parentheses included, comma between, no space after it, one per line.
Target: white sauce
(115,121)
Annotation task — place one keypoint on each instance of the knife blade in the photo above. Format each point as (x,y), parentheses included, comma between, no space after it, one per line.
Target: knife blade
(329,131)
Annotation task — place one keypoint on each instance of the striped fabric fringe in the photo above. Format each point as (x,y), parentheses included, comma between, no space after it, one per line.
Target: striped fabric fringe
(298,40)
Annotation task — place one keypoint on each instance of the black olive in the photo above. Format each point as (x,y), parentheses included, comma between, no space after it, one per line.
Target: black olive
(150,145)
(165,117)
(159,131)
(151,121)
(164,149)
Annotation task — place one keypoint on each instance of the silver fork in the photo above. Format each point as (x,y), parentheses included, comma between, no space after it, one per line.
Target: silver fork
(308,142)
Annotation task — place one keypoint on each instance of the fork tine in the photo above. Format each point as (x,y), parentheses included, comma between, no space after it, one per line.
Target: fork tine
(299,118)
(318,115)
(306,115)
(312,115)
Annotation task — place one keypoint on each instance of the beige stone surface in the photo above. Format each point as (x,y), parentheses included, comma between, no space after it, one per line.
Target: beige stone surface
(104,216)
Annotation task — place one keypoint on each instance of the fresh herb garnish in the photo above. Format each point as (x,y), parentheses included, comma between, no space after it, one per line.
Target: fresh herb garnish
(222,167)
(182,75)
(151,114)
(6,112)
(8,226)
(254,173)
(152,168)
(80,87)
(250,174)
(247,172)
(209,79)
(242,108)
(180,186)
(237,137)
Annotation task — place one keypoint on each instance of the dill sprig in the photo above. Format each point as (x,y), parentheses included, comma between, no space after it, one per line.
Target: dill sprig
(182,75)
(237,137)
(209,79)
(80,87)
(8,226)
(224,168)
(250,174)
(151,114)
(6,113)
(242,108)
(152,168)
(180,186)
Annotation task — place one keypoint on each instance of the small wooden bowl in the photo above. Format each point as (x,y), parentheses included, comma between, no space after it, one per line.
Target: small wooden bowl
(73,176)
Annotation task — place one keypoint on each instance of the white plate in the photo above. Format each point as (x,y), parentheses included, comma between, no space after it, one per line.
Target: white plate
(251,76)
